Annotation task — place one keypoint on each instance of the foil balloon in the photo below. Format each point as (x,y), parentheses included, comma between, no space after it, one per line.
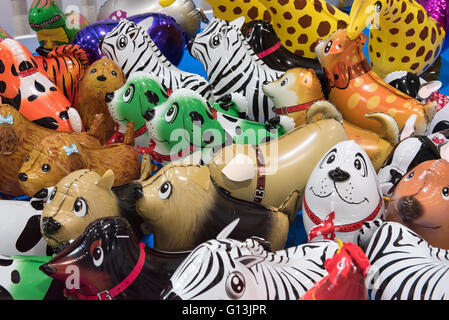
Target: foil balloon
(4,34)
(248,270)
(271,173)
(185,12)
(21,279)
(440,121)
(233,67)
(405,266)
(59,154)
(437,9)
(411,44)
(113,264)
(28,89)
(205,208)
(357,90)
(229,10)
(299,95)
(420,202)
(51,24)
(129,45)
(345,279)
(222,124)
(267,46)
(341,194)
(20,229)
(163,30)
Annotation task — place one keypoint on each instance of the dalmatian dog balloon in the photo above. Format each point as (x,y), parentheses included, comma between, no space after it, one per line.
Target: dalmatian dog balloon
(341,194)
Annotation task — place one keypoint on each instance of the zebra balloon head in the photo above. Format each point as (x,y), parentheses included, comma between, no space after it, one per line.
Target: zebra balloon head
(217,40)
(218,269)
(123,42)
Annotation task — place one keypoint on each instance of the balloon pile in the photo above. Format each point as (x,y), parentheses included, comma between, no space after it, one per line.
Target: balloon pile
(113,139)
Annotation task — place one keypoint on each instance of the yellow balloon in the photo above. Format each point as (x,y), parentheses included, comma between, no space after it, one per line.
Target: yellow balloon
(229,10)
(403,37)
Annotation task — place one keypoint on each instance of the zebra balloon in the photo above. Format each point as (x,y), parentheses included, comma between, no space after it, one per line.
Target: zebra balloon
(233,66)
(130,46)
(229,269)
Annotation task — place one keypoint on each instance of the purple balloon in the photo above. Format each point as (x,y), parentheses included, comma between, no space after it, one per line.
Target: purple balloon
(164,31)
(437,9)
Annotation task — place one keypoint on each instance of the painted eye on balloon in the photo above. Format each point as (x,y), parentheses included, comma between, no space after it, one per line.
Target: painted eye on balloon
(445,193)
(235,285)
(165,190)
(27,158)
(97,256)
(122,42)
(329,158)
(328,47)
(45,167)
(52,195)
(171,114)
(409,176)
(114,73)
(80,207)
(93,70)
(284,82)
(129,94)
(360,164)
(378,6)
(215,40)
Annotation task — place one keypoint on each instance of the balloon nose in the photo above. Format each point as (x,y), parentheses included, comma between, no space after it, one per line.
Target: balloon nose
(409,208)
(101,78)
(50,226)
(149,114)
(48,269)
(23,176)
(109,97)
(338,175)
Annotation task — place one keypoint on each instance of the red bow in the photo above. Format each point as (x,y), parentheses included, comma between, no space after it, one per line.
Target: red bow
(325,229)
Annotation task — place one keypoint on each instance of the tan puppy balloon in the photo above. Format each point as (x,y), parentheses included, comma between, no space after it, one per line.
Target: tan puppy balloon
(78,199)
(102,77)
(341,194)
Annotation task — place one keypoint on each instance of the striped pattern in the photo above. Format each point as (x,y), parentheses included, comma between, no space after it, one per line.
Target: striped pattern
(403,265)
(229,269)
(132,49)
(233,66)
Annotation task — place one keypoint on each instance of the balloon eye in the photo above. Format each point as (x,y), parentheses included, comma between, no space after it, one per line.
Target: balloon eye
(45,168)
(357,164)
(165,190)
(331,159)
(328,47)
(93,70)
(129,94)
(170,116)
(114,73)
(378,6)
(52,195)
(80,207)
(445,193)
(122,42)
(235,285)
(27,158)
(284,82)
(98,256)
(215,41)
(409,176)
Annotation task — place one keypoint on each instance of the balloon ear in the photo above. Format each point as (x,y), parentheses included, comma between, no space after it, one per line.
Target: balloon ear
(9,141)
(239,22)
(107,180)
(76,162)
(250,261)
(146,170)
(427,89)
(362,38)
(224,234)
(444,151)
(146,23)
(409,127)
(240,168)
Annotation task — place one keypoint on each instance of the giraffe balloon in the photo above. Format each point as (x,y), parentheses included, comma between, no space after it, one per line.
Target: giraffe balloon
(403,36)
(317,19)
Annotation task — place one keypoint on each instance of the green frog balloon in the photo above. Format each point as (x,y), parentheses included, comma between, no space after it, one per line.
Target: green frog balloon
(53,27)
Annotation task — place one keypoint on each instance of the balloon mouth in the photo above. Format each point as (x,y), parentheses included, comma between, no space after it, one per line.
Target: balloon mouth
(45,23)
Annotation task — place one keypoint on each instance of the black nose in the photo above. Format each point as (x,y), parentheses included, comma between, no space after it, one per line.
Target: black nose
(109,97)
(50,226)
(100,44)
(64,115)
(149,114)
(23,177)
(101,78)
(409,208)
(338,175)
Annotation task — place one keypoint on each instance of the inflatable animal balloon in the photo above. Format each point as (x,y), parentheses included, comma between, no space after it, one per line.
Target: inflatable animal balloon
(229,10)
(113,264)
(272,172)
(420,201)
(51,25)
(233,67)
(21,279)
(59,154)
(357,90)
(185,12)
(248,270)
(342,192)
(411,43)
(162,29)
(404,266)
(298,94)
(4,34)
(185,208)
(20,230)
(345,279)
(130,46)
(29,90)
(437,9)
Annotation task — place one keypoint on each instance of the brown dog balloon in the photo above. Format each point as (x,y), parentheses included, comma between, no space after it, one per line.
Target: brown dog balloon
(420,201)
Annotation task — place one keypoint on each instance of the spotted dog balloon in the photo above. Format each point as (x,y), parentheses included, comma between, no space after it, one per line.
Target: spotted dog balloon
(342,192)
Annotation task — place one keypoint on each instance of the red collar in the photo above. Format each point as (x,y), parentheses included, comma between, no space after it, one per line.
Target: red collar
(28,72)
(269,50)
(347,227)
(122,286)
(156,156)
(299,107)
(118,137)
